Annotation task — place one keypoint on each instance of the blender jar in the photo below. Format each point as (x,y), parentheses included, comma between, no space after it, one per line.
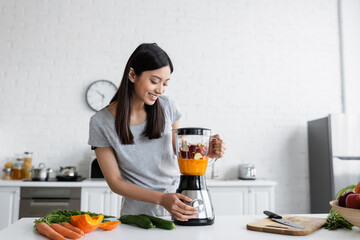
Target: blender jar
(192,146)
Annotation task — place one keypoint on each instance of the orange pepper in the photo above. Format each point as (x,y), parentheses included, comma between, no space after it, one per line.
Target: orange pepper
(357,188)
(86,223)
(109,225)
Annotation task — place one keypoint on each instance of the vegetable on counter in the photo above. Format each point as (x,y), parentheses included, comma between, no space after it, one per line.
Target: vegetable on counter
(334,220)
(47,231)
(138,220)
(59,216)
(107,226)
(160,223)
(86,223)
(56,225)
(65,231)
(146,221)
(71,227)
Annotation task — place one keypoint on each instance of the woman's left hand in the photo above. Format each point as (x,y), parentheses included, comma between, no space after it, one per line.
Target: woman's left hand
(217,147)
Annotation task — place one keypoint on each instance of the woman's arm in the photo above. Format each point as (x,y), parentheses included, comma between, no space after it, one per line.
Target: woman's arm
(170,201)
(176,125)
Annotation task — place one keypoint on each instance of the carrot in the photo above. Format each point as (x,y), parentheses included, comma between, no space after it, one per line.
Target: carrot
(47,231)
(64,231)
(71,227)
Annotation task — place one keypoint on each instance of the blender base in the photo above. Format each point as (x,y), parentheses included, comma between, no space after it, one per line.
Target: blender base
(196,222)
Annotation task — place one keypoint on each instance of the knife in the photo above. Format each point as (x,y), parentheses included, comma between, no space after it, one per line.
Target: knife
(279,219)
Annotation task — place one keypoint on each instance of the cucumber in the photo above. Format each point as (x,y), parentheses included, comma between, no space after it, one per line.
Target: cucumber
(140,221)
(160,223)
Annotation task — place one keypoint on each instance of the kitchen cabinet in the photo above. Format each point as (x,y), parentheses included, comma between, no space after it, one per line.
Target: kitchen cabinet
(229,200)
(242,200)
(260,199)
(100,200)
(9,205)
(235,197)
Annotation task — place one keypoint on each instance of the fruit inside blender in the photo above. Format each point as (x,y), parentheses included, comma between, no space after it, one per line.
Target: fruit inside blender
(193,159)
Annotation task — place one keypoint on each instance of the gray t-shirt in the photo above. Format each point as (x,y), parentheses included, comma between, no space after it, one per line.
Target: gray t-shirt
(148,163)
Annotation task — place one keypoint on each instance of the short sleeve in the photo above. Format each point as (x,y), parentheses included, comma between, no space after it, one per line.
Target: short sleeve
(97,137)
(176,113)
(171,109)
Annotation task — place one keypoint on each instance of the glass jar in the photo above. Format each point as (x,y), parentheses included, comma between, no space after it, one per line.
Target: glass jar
(192,150)
(27,165)
(17,171)
(6,174)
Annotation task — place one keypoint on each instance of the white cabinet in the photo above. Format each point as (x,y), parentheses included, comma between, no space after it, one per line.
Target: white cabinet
(228,197)
(100,200)
(261,199)
(229,200)
(242,200)
(9,205)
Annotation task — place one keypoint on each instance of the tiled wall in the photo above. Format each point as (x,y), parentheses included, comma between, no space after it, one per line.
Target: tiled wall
(254,71)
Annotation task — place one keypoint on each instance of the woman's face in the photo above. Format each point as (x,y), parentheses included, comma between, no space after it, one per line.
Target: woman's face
(150,84)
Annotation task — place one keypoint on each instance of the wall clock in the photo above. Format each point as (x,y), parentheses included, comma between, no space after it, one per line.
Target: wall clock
(99,94)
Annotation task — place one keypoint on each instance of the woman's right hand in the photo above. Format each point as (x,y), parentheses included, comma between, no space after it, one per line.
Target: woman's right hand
(179,210)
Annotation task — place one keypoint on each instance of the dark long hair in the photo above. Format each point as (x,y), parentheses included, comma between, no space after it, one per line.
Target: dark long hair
(147,56)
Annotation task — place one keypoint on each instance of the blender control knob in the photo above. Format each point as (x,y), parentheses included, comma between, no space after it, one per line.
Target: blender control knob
(198,204)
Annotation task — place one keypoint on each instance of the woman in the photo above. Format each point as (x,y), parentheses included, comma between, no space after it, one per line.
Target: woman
(133,141)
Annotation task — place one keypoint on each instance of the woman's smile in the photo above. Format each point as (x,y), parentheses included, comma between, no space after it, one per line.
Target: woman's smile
(150,85)
(153,97)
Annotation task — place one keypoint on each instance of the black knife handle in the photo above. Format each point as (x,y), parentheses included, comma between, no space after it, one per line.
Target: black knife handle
(272,215)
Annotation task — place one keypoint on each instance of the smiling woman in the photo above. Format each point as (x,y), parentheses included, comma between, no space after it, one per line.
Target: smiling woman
(147,60)
(133,141)
(148,87)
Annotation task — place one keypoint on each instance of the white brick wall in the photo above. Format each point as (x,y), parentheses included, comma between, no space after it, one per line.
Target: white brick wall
(350,17)
(254,71)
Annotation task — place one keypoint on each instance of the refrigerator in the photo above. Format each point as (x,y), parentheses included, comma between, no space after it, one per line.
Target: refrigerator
(334,157)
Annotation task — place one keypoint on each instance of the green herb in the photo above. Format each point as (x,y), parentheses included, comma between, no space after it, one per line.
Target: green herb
(59,216)
(334,220)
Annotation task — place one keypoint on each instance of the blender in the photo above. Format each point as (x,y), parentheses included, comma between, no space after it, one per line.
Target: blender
(192,146)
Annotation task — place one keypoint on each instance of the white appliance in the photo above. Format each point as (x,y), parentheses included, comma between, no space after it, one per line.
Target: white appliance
(247,171)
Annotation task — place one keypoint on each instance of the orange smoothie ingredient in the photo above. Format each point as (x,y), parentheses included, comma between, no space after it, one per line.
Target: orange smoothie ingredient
(193,166)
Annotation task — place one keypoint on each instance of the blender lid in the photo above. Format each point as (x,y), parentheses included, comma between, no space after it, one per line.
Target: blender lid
(191,131)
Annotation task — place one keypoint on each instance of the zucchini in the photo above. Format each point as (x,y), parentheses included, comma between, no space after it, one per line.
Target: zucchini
(140,221)
(160,223)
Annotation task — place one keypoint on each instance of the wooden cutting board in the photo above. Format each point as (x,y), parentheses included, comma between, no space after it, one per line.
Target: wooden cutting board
(268,225)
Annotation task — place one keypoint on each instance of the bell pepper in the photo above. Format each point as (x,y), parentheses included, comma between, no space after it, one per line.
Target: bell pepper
(109,225)
(86,223)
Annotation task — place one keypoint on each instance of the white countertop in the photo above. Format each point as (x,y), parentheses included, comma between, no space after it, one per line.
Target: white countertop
(23,183)
(102,183)
(239,183)
(225,227)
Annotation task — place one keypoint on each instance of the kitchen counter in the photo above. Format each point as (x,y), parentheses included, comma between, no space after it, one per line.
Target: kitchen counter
(247,196)
(25,183)
(225,227)
(239,183)
(102,183)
